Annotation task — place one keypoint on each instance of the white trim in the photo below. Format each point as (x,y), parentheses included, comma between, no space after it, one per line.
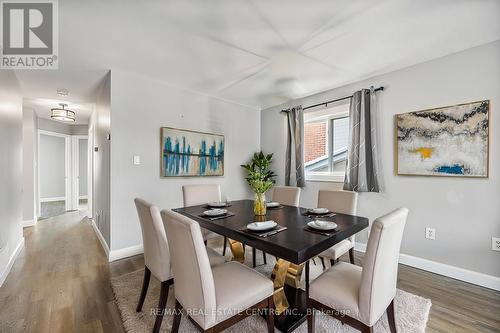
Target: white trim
(29,223)
(52,199)
(83,197)
(101,238)
(462,274)
(325,177)
(12,259)
(125,252)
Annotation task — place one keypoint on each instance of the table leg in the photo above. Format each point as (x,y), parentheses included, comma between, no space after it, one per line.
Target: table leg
(279,275)
(307,280)
(238,250)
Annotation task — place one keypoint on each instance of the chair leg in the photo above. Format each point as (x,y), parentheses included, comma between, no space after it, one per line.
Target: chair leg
(162,302)
(254,260)
(310,318)
(270,314)
(177,317)
(224,248)
(144,291)
(351,255)
(391,318)
(264,257)
(322,262)
(332,262)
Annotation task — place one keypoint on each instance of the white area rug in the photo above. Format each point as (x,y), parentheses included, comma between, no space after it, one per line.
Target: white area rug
(412,311)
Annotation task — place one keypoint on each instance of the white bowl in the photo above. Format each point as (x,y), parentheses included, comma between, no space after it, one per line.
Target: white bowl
(215,212)
(216,204)
(262,226)
(272,204)
(322,225)
(319,210)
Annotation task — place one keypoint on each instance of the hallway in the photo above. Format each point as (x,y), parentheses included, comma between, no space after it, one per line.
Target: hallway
(60,281)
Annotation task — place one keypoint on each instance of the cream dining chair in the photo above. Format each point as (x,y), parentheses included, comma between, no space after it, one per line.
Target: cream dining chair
(287,195)
(344,202)
(363,293)
(157,256)
(214,297)
(199,194)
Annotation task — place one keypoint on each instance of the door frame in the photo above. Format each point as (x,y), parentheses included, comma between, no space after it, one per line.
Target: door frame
(75,163)
(67,167)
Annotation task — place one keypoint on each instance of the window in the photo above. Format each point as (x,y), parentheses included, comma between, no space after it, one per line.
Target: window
(326,134)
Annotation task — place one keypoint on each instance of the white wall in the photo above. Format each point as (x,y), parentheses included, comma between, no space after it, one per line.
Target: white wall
(29,165)
(11,171)
(52,164)
(465,212)
(59,127)
(100,127)
(140,107)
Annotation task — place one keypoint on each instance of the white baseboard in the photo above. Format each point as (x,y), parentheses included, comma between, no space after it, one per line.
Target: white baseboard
(125,252)
(12,259)
(29,223)
(52,199)
(462,274)
(101,238)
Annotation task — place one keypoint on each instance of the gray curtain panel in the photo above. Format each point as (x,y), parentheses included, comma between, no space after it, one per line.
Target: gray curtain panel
(294,164)
(362,174)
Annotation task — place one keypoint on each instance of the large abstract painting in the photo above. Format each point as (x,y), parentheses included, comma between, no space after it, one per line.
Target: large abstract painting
(447,141)
(188,153)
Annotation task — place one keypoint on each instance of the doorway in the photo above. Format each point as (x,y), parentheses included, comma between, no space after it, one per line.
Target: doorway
(54,151)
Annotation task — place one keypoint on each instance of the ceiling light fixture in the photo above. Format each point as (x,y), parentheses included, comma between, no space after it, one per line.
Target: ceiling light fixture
(62,114)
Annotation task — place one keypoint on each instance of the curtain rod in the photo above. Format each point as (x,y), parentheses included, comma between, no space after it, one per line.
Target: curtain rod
(332,101)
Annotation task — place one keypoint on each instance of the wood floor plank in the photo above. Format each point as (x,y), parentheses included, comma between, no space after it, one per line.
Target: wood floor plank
(61,283)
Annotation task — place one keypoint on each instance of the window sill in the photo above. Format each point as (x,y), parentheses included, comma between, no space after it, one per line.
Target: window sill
(325,178)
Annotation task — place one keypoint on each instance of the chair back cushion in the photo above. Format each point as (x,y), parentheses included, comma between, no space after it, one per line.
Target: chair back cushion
(380,266)
(193,279)
(200,194)
(154,239)
(287,195)
(344,202)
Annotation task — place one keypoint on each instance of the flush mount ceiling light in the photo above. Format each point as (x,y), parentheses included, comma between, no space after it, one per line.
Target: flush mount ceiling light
(62,114)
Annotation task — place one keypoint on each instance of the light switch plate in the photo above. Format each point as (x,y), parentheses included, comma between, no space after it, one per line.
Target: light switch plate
(495,243)
(137,160)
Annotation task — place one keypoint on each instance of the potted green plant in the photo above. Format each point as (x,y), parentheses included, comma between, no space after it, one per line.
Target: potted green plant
(260,179)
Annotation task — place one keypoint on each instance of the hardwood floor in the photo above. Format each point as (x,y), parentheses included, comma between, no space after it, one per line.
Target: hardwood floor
(60,283)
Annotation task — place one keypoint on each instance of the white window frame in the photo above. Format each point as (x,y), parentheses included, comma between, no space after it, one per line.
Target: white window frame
(329,115)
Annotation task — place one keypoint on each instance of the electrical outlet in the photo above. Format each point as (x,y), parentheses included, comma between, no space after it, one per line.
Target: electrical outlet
(495,243)
(430,233)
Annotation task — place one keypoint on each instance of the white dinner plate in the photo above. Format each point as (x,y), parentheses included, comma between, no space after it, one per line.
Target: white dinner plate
(319,211)
(216,204)
(322,225)
(272,204)
(215,212)
(262,226)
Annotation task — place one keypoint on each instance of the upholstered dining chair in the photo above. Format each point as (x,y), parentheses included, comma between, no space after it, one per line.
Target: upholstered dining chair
(199,194)
(344,202)
(157,256)
(363,293)
(216,297)
(287,195)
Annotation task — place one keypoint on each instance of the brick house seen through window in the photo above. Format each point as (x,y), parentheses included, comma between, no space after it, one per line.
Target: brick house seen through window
(326,135)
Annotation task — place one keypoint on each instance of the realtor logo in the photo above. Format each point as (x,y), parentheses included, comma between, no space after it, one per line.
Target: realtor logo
(29,34)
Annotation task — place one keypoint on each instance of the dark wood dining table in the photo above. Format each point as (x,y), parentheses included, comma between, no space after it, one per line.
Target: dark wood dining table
(295,244)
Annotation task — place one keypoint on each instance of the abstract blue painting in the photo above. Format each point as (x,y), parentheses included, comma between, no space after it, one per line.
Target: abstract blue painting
(187,153)
(447,141)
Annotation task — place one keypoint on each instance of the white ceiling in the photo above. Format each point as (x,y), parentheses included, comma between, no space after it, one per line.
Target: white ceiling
(39,90)
(264,52)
